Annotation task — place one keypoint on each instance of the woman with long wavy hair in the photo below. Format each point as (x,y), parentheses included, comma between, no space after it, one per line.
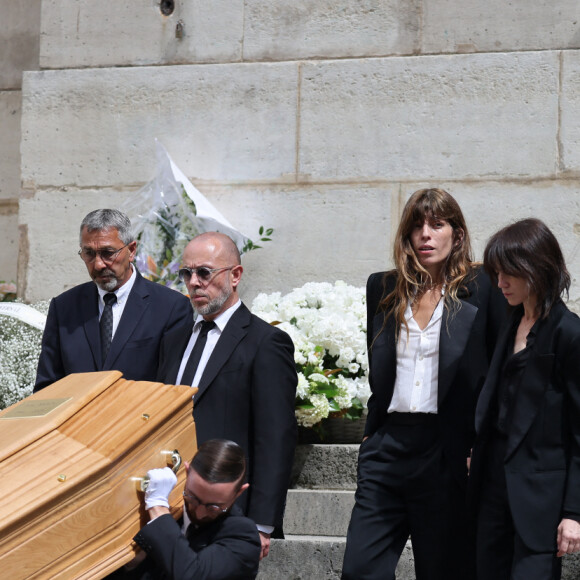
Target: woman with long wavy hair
(432,324)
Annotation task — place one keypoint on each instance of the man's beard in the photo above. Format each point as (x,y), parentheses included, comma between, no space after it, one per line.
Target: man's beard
(107,286)
(215,305)
(203,521)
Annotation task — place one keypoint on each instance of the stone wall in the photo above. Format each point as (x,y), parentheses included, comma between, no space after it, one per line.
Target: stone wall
(19,51)
(315,117)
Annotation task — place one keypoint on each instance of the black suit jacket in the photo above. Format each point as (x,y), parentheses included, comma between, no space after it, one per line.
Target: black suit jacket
(225,549)
(247,394)
(71,341)
(542,460)
(467,339)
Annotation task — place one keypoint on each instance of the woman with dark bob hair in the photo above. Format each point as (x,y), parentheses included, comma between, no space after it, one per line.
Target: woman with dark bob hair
(525,469)
(432,324)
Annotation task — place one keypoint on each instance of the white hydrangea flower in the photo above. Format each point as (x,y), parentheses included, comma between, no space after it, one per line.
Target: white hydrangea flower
(327,323)
(19,353)
(303,389)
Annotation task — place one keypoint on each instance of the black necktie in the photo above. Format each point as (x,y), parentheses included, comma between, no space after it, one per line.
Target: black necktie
(195,356)
(106,324)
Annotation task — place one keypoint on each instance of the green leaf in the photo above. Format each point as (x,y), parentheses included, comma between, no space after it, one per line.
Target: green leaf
(333,405)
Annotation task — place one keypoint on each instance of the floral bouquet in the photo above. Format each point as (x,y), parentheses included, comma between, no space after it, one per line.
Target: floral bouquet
(166,214)
(327,323)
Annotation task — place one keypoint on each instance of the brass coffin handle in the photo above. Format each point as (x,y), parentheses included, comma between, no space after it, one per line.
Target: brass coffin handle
(143,482)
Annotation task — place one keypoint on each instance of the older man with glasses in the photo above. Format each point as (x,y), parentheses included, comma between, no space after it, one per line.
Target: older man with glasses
(115,322)
(215,540)
(245,374)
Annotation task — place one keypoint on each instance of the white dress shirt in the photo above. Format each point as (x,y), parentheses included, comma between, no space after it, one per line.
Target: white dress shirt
(122,295)
(418,365)
(212,338)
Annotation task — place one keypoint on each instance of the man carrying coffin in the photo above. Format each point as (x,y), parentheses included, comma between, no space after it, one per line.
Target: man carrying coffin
(216,542)
(115,322)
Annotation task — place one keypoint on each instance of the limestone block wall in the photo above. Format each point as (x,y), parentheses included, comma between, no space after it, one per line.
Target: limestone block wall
(316,117)
(19,50)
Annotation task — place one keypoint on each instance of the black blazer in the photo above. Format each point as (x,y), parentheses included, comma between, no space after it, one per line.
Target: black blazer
(71,341)
(225,549)
(542,460)
(247,394)
(467,340)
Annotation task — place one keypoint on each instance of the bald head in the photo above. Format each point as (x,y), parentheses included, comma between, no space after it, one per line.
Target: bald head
(220,245)
(218,253)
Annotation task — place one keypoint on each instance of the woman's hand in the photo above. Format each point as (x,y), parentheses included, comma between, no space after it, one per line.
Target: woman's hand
(568,537)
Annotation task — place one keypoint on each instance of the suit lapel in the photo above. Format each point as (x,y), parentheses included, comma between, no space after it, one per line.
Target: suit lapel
(384,357)
(137,304)
(181,342)
(455,329)
(234,332)
(484,403)
(90,316)
(535,379)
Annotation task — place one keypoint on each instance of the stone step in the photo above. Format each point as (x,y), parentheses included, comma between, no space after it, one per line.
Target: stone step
(318,512)
(317,516)
(320,558)
(325,467)
(316,558)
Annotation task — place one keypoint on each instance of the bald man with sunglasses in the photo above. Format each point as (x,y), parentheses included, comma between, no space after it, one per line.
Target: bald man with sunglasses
(115,322)
(245,374)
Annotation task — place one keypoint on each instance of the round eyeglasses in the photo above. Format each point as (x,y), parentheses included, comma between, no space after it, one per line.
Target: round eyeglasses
(87,255)
(195,502)
(203,273)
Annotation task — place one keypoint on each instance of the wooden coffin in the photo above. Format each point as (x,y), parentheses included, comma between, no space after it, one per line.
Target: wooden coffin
(71,460)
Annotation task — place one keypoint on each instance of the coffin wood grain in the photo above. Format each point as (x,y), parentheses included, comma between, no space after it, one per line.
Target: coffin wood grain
(70,504)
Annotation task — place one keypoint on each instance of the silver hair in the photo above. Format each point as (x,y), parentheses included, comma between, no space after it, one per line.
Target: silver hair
(104,219)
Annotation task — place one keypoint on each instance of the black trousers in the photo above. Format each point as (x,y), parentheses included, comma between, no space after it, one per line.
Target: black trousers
(405,488)
(501,554)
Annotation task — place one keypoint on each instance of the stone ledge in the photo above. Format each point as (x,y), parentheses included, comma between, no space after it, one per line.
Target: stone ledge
(318,512)
(315,557)
(320,558)
(325,467)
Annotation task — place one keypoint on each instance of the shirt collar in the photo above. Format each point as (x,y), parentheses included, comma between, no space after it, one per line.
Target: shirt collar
(123,291)
(222,319)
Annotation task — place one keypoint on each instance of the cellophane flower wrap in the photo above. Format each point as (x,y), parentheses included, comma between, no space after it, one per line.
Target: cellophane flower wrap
(327,323)
(166,214)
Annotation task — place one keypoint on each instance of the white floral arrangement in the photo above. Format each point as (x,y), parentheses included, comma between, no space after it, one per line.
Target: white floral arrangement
(327,323)
(19,351)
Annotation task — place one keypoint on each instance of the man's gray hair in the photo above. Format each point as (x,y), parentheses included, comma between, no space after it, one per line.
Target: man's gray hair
(104,219)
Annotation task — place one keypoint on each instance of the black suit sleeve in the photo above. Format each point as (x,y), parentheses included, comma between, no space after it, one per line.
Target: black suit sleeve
(50,367)
(227,550)
(273,392)
(379,285)
(181,314)
(570,377)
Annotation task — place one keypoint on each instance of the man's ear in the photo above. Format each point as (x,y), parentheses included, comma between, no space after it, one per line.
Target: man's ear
(132,247)
(236,275)
(186,463)
(242,489)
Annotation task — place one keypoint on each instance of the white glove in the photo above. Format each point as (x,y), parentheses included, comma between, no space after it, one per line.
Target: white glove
(161,482)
